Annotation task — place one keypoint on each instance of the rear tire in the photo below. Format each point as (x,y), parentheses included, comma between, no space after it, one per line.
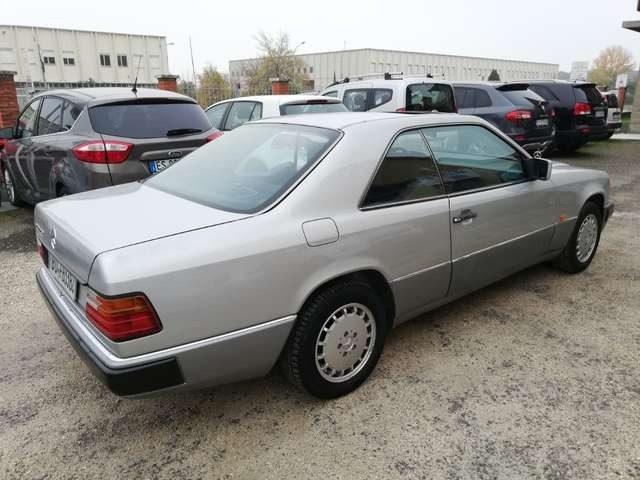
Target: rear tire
(337,340)
(583,243)
(10,187)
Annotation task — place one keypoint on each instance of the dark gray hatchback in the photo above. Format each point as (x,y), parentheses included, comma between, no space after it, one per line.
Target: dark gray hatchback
(69,141)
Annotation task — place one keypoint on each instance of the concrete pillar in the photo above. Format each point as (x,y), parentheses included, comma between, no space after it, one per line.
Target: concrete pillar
(168,82)
(279,86)
(9,109)
(634,127)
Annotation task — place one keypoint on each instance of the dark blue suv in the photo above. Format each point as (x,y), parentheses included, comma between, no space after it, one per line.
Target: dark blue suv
(519,112)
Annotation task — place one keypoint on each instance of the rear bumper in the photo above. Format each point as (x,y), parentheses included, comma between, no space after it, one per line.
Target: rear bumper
(611,126)
(599,132)
(247,353)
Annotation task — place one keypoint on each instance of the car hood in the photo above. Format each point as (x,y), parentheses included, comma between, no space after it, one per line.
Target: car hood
(77,228)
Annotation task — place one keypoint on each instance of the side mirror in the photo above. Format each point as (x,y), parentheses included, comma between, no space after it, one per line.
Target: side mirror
(538,168)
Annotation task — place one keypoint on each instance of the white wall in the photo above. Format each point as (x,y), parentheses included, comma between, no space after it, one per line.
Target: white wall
(19,52)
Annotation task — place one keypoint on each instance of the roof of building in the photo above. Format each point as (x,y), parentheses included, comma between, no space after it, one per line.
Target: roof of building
(81,30)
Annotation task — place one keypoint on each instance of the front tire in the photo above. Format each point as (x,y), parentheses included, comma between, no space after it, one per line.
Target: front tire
(583,243)
(10,188)
(337,340)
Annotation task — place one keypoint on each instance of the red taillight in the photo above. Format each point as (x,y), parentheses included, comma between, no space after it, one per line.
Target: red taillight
(582,109)
(122,318)
(214,135)
(44,254)
(109,151)
(401,109)
(518,115)
(553,113)
(519,138)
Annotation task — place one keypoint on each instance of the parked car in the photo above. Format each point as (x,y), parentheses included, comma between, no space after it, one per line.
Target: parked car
(69,141)
(394,93)
(230,114)
(303,240)
(519,112)
(614,115)
(580,111)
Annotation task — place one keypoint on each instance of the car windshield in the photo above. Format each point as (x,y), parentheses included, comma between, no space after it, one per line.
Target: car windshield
(427,97)
(312,107)
(149,119)
(246,169)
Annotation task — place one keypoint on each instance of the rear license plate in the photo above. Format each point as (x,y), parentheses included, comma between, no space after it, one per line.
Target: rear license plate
(600,114)
(156,166)
(616,114)
(64,277)
(542,123)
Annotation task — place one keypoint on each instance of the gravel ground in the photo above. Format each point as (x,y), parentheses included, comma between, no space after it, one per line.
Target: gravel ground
(534,377)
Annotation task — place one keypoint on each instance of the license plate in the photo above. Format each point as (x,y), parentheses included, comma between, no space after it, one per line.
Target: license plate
(600,114)
(156,166)
(542,123)
(616,115)
(64,277)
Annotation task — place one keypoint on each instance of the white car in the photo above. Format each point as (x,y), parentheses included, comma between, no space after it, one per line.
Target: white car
(232,113)
(394,93)
(614,115)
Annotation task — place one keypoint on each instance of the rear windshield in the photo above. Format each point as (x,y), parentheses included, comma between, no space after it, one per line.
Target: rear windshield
(612,101)
(245,170)
(427,97)
(592,95)
(319,107)
(523,98)
(149,119)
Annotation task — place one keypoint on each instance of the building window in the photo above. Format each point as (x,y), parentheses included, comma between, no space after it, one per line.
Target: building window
(122,61)
(68,60)
(311,69)
(49,60)
(105,60)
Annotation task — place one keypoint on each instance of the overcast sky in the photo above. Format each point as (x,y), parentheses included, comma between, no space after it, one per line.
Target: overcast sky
(555,31)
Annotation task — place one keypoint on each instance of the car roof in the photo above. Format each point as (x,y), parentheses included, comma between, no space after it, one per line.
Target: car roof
(343,120)
(279,99)
(561,82)
(101,95)
(382,82)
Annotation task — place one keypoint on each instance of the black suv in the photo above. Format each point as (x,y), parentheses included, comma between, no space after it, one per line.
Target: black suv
(580,111)
(68,141)
(520,113)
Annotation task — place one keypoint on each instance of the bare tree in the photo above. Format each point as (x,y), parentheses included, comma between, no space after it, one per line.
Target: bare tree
(609,63)
(212,86)
(277,60)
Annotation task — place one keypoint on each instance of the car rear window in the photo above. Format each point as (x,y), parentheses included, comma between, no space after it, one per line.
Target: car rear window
(612,101)
(592,95)
(312,107)
(427,97)
(247,169)
(523,98)
(148,119)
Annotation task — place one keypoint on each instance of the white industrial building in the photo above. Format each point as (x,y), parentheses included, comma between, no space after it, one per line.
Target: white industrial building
(58,57)
(323,67)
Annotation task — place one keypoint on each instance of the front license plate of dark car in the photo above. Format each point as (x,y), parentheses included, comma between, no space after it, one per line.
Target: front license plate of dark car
(156,166)
(64,277)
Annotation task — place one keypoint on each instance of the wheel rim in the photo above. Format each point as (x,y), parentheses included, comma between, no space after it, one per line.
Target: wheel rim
(345,342)
(587,237)
(9,186)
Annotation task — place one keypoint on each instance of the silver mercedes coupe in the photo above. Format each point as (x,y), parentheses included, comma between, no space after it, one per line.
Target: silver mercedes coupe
(302,241)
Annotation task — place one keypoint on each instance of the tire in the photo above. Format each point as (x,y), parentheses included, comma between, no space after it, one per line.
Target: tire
(577,256)
(10,188)
(609,135)
(347,309)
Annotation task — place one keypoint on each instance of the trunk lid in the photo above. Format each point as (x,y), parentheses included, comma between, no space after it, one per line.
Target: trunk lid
(76,229)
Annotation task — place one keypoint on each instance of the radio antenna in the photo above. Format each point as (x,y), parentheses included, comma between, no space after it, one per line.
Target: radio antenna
(135,82)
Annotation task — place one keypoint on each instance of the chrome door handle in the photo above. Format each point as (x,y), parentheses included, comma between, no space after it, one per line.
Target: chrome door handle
(464,215)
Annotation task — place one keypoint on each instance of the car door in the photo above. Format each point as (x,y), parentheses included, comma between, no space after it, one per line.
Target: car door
(23,161)
(46,145)
(407,213)
(501,220)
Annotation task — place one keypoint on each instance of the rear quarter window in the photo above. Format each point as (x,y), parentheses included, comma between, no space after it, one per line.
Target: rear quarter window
(148,119)
(427,97)
(592,94)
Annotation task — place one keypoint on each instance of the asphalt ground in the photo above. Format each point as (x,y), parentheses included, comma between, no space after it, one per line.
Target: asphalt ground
(536,376)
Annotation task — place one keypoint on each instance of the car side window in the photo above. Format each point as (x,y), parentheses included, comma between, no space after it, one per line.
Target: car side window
(50,120)
(239,113)
(464,97)
(332,93)
(27,121)
(356,100)
(471,157)
(216,114)
(257,112)
(70,114)
(544,92)
(407,173)
(483,99)
(381,96)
